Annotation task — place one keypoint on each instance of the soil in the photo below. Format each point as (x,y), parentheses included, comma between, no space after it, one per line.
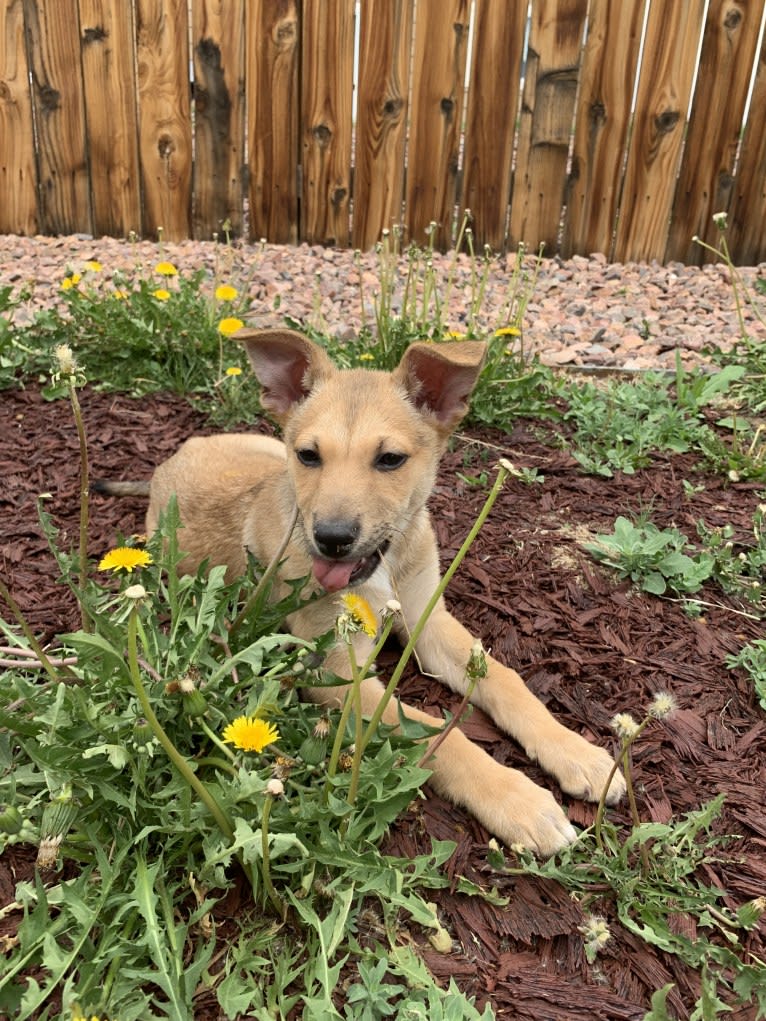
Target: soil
(589,646)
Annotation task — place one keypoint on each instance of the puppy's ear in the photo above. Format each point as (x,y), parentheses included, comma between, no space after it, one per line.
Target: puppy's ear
(286,364)
(439,378)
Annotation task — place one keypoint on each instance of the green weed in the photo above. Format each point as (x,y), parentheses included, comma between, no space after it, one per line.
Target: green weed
(752,659)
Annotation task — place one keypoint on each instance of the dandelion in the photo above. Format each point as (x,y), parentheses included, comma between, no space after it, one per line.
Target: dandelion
(663,704)
(230,325)
(120,294)
(719,219)
(367,356)
(250,734)
(166,269)
(508,331)
(361,613)
(65,359)
(71,281)
(94,266)
(234,370)
(225,292)
(161,294)
(455,335)
(624,726)
(124,558)
(275,787)
(135,593)
(596,935)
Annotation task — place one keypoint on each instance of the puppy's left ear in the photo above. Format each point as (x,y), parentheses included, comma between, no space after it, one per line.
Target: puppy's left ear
(439,378)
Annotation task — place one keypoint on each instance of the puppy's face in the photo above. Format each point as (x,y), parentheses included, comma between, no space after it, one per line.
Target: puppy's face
(362,459)
(362,446)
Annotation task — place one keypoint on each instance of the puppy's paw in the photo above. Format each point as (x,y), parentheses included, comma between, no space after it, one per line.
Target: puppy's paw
(582,769)
(529,815)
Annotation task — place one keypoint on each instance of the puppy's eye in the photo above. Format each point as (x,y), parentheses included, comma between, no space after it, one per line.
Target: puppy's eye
(309,457)
(389,462)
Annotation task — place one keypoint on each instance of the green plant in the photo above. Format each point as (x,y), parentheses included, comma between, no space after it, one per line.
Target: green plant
(650,877)
(752,659)
(652,558)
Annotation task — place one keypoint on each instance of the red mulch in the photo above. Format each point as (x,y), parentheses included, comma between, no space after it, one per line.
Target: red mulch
(589,646)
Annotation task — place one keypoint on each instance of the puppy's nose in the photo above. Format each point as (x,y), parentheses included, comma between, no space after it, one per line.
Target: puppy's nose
(335,538)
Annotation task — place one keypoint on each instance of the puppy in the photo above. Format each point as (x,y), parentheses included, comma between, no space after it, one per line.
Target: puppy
(358,462)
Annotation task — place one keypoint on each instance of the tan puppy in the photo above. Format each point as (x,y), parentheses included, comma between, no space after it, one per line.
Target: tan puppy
(359,461)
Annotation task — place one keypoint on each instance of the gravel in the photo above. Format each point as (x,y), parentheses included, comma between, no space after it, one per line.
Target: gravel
(583,311)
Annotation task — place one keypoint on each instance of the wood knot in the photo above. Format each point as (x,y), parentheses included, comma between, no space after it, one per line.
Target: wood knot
(322,134)
(666,121)
(50,98)
(285,34)
(209,52)
(597,113)
(392,107)
(165,146)
(94,35)
(447,107)
(732,19)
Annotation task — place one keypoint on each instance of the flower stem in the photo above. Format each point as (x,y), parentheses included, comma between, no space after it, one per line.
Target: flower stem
(29,634)
(504,470)
(84,506)
(265,578)
(183,767)
(276,901)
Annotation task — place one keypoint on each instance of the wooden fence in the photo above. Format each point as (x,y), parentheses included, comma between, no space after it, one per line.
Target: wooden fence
(330,120)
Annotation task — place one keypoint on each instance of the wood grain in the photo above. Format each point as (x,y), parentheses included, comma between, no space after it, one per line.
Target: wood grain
(165,141)
(440,53)
(602,125)
(546,122)
(218,47)
(18,173)
(107,34)
(747,214)
(707,168)
(381,127)
(491,122)
(670,49)
(57,98)
(326,129)
(272,30)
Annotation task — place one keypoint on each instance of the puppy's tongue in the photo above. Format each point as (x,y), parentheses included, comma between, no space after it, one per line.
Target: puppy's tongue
(333,575)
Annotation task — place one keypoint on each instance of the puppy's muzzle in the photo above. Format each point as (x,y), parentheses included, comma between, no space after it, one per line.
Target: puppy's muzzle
(341,563)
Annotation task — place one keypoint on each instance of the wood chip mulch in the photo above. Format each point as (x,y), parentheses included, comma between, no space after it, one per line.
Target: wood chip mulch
(588,645)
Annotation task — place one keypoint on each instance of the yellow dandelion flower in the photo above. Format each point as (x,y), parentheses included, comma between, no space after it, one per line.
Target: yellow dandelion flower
(166,269)
(120,294)
(161,294)
(94,265)
(124,558)
(455,335)
(250,734)
(364,615)
(508,331)
(367,356)
(234,370)
(230,325)
(225,292)
(71,281)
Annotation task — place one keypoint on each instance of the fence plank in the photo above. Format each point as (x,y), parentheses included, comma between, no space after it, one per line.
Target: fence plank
(381,127)
(706,177)
(670,51)
(602,125)
(326,129)
(440,52)
(111,114)
(219,115)
(547,115)
(491,125)
(53,36)
(272,40)
(746,236)
(165,126)
(18,174)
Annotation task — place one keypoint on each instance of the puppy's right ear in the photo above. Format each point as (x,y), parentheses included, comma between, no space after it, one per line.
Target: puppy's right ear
(286,364)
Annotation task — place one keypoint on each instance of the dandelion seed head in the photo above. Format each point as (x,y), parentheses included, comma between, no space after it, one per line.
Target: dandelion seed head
(65,359)
(663,704)
(624,725)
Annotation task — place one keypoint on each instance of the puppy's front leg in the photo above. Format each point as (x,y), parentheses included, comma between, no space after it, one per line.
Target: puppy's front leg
(580,767)
(505,801)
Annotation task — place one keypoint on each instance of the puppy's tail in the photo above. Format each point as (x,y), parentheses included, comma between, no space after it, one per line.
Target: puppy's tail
(120,488)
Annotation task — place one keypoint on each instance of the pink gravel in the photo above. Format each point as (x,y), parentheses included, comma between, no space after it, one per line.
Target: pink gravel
(583,311)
